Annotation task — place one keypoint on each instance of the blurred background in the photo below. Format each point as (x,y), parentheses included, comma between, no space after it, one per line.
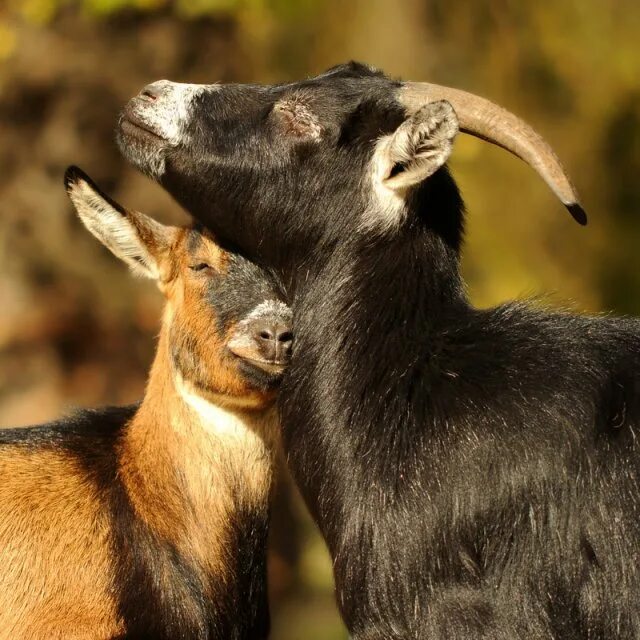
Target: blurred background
(77,330)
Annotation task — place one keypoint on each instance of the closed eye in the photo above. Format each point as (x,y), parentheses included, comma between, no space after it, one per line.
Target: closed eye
(200,266)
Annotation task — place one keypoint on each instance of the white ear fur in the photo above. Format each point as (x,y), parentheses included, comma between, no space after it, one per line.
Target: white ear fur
(403,159)
(131,236)
(418,147)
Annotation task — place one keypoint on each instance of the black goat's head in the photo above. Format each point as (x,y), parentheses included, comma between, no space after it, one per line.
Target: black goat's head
(346,152)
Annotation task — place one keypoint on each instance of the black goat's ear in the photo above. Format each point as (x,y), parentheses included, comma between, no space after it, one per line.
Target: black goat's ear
(295,118)
(417,148)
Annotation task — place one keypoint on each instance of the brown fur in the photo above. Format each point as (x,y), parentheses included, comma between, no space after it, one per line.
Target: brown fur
(49,518)
(191,508)
(180,471)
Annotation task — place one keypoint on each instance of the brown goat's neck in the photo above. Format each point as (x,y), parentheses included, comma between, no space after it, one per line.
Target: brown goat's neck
(189,465)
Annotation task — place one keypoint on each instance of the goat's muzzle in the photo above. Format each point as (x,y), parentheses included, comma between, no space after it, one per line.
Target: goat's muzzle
(264,339)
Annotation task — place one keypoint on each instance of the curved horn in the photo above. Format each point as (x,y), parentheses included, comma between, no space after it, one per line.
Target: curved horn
(484,119)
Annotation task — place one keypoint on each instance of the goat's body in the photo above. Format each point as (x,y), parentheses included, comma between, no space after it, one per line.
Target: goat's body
(150,522)
(476,472)
(86,553)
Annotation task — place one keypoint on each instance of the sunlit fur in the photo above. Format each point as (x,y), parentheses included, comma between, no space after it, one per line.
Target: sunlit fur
(474,472)
(150,521)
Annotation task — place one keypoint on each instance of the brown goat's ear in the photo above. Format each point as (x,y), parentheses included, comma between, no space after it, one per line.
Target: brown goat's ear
(133,237)
(295,118)
(418,147)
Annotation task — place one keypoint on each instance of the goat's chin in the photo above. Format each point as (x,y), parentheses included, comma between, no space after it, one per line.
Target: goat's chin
(261,376)
(142,148)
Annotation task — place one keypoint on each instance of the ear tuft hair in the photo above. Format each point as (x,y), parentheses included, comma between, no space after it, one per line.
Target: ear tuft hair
(420,146)
(131,236)
(402,160)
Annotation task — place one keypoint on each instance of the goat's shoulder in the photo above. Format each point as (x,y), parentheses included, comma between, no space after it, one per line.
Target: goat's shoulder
(526,356)
(542,328)
(81,448)
(56,524)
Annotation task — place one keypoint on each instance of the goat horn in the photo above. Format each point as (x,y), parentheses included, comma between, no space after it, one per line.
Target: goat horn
(483,119)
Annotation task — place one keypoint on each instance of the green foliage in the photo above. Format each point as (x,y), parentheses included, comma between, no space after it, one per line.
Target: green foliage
(43,11)
(105,7)
(195,8)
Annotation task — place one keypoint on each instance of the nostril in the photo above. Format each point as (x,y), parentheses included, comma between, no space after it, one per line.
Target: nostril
(149,95)
(154,91)
(273,339)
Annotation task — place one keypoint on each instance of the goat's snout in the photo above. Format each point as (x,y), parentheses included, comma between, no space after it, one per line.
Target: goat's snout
(156,120)
(273,338)
(155,91)
(264,339)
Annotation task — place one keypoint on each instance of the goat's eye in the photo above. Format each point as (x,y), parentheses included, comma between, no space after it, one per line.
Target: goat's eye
(201,266)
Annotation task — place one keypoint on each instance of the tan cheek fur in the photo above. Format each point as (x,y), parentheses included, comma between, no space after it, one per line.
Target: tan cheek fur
(50,517)
(205,360)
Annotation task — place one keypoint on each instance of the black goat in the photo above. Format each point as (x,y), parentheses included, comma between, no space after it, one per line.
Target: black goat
(474,472)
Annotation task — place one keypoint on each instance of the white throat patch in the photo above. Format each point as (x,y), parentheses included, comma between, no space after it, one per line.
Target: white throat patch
(215,419)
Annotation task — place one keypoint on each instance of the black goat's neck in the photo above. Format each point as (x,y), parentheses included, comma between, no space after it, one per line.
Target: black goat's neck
(405,282)
(371,350)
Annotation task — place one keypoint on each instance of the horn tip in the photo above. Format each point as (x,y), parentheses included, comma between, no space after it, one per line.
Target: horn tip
(578,213)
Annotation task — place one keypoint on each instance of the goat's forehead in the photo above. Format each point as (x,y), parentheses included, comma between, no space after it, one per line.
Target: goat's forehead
(352,69)
(194,241)
(355,72)
(198,241)
(342,83)
(249,276)
(237,281)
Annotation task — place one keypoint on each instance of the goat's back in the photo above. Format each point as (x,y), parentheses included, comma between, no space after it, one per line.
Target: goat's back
(56,567)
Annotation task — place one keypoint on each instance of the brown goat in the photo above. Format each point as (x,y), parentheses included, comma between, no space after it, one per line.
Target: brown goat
(150,521)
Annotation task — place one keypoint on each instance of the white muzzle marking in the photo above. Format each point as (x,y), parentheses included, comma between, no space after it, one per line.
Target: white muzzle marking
(170,113)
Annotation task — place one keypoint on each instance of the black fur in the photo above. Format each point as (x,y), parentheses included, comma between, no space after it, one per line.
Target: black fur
(475,473)
(180,607)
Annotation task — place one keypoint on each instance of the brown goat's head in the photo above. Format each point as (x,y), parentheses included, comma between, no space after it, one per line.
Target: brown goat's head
(229,331)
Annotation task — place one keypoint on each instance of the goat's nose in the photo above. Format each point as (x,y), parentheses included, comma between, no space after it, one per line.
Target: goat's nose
(274,339)
(154,91)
